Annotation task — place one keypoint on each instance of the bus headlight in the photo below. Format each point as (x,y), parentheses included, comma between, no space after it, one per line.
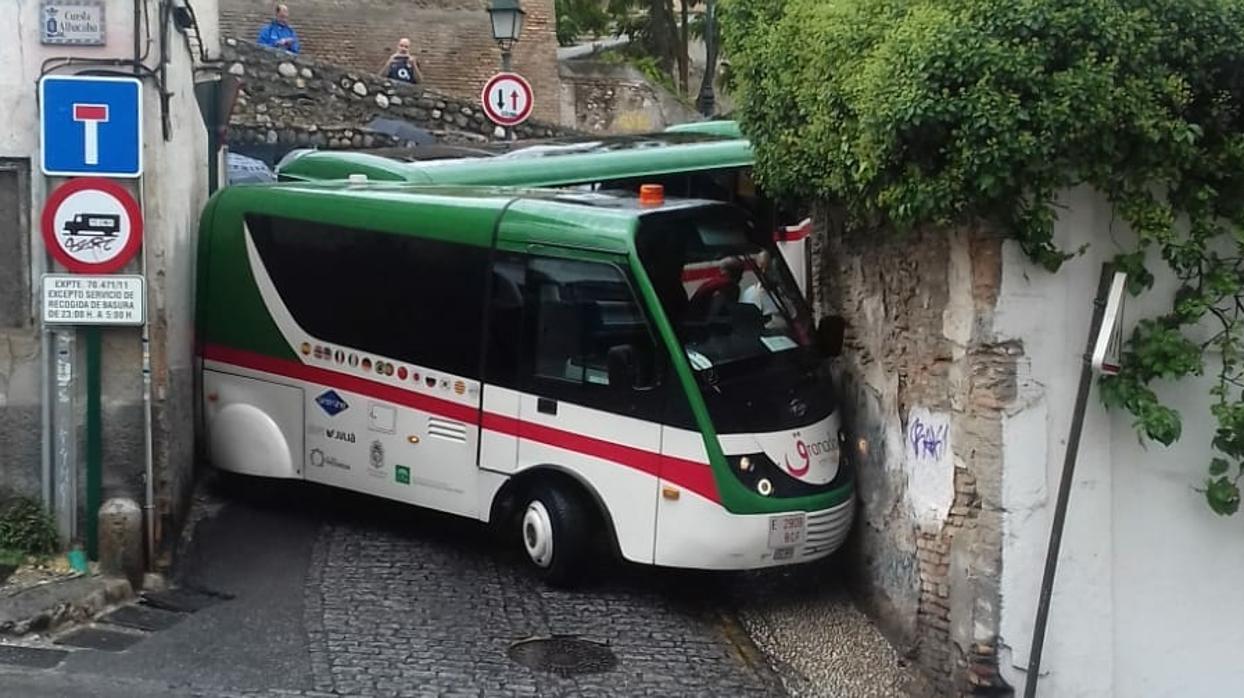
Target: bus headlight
(759,474)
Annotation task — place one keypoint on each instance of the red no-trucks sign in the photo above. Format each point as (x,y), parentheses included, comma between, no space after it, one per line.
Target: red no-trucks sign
(92,226)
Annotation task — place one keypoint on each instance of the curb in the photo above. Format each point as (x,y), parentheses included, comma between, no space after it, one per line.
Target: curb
(48,607)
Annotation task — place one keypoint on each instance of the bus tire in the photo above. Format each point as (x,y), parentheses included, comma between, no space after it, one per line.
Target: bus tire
(554,528)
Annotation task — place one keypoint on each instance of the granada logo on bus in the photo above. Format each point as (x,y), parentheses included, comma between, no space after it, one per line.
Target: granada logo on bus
(332,403)
(806,450)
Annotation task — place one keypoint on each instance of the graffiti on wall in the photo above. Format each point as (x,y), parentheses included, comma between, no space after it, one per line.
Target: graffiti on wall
(928,440)
(930,465)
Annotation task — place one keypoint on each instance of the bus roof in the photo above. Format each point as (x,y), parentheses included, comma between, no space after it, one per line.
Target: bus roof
(722,127)
(537,164)
(468,215)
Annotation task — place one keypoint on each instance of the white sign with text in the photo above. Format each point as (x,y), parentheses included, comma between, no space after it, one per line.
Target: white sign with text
(79,299)
(73,22)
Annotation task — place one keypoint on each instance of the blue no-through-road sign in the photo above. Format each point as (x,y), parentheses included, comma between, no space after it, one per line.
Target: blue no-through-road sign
(91,126)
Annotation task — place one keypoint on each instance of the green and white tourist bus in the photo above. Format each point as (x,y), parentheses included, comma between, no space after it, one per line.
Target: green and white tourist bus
(590,371)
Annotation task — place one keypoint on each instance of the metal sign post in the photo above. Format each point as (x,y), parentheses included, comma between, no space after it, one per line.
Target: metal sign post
(90,128)
(64,443)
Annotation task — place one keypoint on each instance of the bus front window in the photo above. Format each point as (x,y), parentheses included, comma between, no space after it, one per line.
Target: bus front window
(743,323)
(729,298)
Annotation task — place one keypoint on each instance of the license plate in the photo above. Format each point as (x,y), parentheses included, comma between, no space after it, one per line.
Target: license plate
(786,530)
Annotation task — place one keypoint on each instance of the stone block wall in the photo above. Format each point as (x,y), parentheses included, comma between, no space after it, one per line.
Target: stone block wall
(925,382)
(296,102)
(452,39)
(604,97)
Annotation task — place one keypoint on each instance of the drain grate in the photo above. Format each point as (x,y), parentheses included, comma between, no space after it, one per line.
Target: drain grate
(31,657)
(143,618)
(564,655)
(101,639)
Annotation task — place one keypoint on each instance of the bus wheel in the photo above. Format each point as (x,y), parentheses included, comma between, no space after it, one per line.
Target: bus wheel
(554,529)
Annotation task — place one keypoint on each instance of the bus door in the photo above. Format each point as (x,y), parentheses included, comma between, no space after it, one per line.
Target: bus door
(583,331)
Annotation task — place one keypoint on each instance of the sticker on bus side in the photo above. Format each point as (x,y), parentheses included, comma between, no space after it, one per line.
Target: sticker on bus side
(332,403)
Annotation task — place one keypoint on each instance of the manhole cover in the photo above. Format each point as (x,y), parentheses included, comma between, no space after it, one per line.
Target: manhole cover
(563,655)
(31,657)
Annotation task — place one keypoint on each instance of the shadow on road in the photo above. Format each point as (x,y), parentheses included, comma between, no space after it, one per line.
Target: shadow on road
(320,505)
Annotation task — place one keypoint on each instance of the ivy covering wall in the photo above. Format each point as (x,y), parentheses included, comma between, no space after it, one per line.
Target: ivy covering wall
(942,112)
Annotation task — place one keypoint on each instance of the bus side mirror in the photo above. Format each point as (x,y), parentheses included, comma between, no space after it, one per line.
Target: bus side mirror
(830,335)
(629,369)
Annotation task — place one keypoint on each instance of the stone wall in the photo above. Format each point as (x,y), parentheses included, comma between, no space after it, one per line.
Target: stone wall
(925,382)
(452,39)
(296,102)
(604,97)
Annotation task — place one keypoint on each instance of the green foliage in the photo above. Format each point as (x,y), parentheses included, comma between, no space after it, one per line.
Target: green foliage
(576,18)
(26,528)
(648,24)
(941,112)
(651,68)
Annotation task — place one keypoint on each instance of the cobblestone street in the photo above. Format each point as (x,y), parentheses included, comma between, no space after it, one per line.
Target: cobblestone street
(390,610)
(340,595)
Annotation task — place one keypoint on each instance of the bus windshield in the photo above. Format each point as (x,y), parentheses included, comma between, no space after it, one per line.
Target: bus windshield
(730,299)
(744,325)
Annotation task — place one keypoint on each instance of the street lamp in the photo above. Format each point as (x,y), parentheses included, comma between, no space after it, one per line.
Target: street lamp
(507,24)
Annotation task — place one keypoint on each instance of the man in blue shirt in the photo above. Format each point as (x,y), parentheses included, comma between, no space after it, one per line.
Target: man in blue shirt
(278,33)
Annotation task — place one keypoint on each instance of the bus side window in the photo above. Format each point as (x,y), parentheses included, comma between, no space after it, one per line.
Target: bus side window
(578,313)
(399,296)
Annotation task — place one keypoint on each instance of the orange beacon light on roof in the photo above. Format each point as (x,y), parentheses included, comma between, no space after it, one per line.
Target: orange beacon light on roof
(651,195)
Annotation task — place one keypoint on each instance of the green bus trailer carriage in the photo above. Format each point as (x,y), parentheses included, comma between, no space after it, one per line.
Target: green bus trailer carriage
(611,161)
(527,358)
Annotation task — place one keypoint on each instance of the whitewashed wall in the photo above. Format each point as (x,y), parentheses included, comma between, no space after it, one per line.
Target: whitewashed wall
(1149,598)
(173,192)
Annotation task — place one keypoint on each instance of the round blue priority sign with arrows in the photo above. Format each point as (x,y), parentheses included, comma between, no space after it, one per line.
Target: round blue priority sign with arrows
(507,99)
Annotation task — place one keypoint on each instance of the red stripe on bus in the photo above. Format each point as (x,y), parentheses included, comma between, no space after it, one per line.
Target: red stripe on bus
(692,475)
(335,379)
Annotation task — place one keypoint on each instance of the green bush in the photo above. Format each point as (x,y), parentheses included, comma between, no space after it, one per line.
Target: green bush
(938,112)
(576,18)
(25,528)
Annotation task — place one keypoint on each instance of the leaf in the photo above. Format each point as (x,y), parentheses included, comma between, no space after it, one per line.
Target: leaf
(1162,424)
(1218,466)
(1223,496)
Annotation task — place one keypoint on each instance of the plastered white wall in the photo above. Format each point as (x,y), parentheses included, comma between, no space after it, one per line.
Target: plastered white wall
(173,191)
(1147,600)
